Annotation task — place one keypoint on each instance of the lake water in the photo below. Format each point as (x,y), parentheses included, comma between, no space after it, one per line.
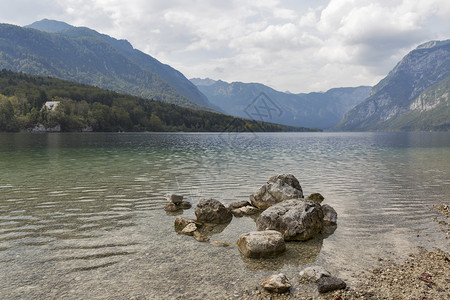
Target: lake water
(81,215)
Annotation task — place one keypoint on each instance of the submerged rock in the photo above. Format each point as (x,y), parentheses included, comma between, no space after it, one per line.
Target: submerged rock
(296,219)
(314,273)
(182,222)
(278,283)
(330,283)
(316,197)
(200,237)
(259,244)
(212,211)
(189,229)
(278,188)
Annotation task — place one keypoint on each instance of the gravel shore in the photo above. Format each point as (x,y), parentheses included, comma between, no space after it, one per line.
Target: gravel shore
(424,274)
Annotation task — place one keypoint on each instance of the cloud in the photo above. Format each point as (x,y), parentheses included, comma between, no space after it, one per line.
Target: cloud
(299,46)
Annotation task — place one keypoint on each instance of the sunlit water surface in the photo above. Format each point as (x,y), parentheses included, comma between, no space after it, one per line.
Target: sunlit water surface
(81,215)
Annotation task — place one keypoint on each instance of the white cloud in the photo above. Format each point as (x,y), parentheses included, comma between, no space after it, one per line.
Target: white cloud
(299,46)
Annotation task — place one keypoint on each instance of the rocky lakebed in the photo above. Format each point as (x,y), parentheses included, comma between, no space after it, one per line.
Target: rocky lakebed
(283,215)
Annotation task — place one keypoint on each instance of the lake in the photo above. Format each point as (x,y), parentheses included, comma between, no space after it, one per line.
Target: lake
(81,215)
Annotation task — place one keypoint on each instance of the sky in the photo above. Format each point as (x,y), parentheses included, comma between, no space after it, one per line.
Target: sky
(289,45)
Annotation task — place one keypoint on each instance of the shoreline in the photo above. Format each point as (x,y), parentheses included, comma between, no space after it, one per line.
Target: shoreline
(423,274)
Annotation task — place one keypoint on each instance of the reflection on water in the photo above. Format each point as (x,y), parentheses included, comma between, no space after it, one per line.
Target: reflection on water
(81,215)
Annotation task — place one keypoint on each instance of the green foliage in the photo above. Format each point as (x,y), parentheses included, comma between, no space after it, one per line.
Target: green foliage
(82,106)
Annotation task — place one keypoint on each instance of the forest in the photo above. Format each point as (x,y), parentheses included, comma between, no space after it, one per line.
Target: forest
(86,108)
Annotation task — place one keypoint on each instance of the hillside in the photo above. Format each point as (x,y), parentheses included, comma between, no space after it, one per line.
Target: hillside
(80,107)
(57,49)
(413,96)
(319,110)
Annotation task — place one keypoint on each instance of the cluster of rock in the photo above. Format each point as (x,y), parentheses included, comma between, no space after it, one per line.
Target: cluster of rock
(287,212)
(325,281)
(176,203)
(279,283)
(285,215)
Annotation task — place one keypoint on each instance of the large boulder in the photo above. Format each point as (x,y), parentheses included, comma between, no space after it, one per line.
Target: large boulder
(278,188)
(258,244)
(212,211)
(296,219)
(278,283)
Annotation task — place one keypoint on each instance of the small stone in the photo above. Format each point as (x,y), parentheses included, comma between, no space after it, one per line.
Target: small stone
(182,222)
(329,215)
(278,283)
(330,283)
(173,198)
(171,207)
(314,273)
(239,204)
(200,237)
(316,197)
(189,229)
(185,205)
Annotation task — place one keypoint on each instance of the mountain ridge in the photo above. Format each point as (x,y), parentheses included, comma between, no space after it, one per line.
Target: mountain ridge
(318,109)
(84,55)
(394,95)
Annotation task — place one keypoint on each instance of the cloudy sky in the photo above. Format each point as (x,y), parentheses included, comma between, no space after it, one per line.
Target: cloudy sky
(295,45)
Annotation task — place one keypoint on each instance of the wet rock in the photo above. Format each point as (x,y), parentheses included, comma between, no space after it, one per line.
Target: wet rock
(245,211)
(316,197)
(173,198)
(329,215)
(182,222)
(330,283)
(314,273)
(189,229)
(260,244)
(278,283)
(200,237)
(171,207)
(185,205)
(296,219)
(212,211)
(221,244)
(239,204)
(278,188)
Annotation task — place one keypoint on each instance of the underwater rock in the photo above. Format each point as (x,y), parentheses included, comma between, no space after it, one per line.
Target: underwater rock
(278,283)
(260,244)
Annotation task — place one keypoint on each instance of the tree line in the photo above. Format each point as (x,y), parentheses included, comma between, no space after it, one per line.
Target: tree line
(81,107)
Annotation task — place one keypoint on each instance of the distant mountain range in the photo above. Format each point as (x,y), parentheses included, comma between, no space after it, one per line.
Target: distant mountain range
(413,96)
(318,110)
(57,49)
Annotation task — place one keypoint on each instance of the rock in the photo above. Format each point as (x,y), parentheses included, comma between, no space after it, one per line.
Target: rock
(185,205)
(259,244)
(316,197)
(314,273)
(171,207)
(200,237)
(278,283)
(327,284)
(212,211)
(245,211)
(296,219)
(239,204)
(173,198)
(329,215)
(221,244)
(182,222)
(189,229)
(278,188)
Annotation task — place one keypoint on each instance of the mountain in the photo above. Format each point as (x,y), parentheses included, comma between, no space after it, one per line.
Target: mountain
(80,54)
(413,96)
(25,106)
(318,110)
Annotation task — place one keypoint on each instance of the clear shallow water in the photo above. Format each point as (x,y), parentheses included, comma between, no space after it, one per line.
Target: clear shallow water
(81,214)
